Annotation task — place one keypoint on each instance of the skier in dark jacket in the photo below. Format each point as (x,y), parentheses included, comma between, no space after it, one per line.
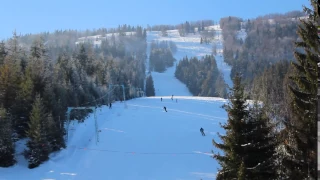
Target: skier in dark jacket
(202,132)
(110,105)
(165,108)
(161,99)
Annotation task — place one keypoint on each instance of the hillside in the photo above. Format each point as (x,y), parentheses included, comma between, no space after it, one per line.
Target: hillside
(142,134)
(187,46)
(141,141)
(158,137)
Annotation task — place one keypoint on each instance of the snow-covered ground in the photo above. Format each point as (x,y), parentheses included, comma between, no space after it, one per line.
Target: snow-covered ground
(140,140)
(137,141)
(97,39)
(187,46)
(242,34)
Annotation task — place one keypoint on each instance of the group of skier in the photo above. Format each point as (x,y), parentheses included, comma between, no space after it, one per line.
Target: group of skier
(171,98)
(165,109)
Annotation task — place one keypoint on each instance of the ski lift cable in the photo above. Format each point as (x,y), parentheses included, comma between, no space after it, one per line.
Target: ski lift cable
(144,153)
(100,97)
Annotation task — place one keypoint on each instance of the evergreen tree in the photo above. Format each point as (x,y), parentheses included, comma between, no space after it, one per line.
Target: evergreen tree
(53,134)
(261,145)
(38,147)
(6,144)
(160,59)
(249,144)
(231,142)
(8,85)
(38,63)
(164,32)
(82,58)
(3,52)
(144,34)
(202,77)
(187,27)
(302,127)
(23,104)
(10,72)
(150,91)
(68,82)
(220,87)
(202,26)
(52,123)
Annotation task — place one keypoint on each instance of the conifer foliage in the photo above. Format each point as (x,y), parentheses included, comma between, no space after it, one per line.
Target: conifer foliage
(248,145)
(38,145)
(201,76)
(161,56)
(302,125)
(6,143)
(150,91)
(40,76)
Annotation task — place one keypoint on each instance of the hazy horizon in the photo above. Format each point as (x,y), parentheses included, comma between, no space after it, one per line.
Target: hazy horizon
(46,16)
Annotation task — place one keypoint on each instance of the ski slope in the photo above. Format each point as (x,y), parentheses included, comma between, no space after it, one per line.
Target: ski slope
(165,83)
(137,141)
(140,140)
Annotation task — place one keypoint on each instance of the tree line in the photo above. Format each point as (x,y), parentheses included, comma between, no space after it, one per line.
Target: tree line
(35,89)
(254,147)
(201,76)
(266,43)
(161,55)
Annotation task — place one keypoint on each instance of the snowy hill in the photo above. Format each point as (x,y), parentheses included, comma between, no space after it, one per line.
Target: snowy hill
(96,40)
(141,141)
(187,46)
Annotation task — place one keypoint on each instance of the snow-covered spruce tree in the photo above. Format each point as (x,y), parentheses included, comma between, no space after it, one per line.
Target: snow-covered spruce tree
(23,103)
(6,144)
(260,150)
(38,147)
(3,52)
(231,161)
(54,136)
(150,91)
(52,124)
(302,126)
(249,145)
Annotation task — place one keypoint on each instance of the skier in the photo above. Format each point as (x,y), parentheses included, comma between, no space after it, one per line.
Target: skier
(161,98)
(172,97)
(202,132)
(165,108)
(110,105)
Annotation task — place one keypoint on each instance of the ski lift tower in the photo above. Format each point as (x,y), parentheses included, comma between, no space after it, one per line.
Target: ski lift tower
(140,92)
(81,108)
(123,91)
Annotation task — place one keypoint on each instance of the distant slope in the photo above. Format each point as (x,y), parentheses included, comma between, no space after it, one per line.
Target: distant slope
(165,83)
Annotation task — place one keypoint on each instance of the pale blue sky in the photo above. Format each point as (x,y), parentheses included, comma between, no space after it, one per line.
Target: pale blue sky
(35,16)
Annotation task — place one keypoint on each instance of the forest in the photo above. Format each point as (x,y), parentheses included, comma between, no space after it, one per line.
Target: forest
(161,55)
(39,80)
(201,76)
(264,57)
(276,66)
